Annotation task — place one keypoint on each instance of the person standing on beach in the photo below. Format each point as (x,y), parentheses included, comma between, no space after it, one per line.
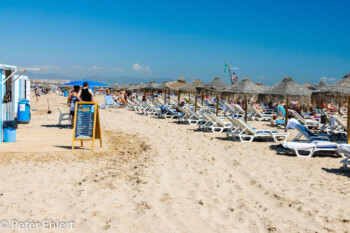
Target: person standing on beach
(36,91)
(72,99)
(86,94)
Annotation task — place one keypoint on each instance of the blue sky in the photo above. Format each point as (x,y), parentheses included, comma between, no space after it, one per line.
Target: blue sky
(145,40)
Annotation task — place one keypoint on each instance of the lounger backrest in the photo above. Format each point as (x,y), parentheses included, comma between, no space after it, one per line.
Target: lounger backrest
(184,111)
(340,122)
(109,100)
(238,108)
(216,119)
(300,118)
(248,128)
(205,116)
(234,123)
(302,129)
(254,110)
(192,113)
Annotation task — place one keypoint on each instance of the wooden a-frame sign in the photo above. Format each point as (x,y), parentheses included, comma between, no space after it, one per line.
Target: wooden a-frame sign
(86,123)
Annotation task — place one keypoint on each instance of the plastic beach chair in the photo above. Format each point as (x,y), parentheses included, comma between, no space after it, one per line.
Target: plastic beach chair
(64,117)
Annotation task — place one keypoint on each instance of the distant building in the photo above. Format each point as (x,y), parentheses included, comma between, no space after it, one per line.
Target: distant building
(49,81)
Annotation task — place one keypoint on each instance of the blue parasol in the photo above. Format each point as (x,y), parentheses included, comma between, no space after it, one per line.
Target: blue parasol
(92,84)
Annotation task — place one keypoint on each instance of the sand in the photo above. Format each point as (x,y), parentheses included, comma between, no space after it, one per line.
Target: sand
(154,175)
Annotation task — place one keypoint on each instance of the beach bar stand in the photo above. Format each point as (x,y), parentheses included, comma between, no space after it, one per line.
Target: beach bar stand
(9,94)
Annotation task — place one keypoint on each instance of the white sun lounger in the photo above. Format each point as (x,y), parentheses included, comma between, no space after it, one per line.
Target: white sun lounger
(248,133)
(304,132)
(311,147)
(344,150)
(258,116)
(307,122)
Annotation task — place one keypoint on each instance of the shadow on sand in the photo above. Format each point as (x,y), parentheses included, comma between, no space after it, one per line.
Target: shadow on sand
(58,126)
(342,171)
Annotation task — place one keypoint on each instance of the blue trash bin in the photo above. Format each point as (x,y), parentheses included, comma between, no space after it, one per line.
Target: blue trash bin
(9,134)
(23,111)
(65,94)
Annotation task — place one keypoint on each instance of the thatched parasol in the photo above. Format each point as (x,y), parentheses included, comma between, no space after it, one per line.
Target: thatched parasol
(176,85)
(307,84)
(245,88)
(214,87)
(318,86)
(290,89)
(339,90)
(153,86)
(120,87)
(190,88)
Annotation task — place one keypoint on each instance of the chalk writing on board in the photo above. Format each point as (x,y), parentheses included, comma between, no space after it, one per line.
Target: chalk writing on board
(85,121)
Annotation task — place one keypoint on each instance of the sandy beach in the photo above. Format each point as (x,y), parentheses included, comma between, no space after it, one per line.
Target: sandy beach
(154,175)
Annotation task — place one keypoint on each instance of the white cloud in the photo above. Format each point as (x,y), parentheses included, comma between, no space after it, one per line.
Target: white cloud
(50,67)
(328,79)
(138,67)
(118,69)
(261,77)
(96,67)
(77,67)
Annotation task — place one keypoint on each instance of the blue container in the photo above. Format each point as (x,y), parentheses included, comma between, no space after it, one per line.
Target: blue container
(65,94)
(9,134)
(23,111)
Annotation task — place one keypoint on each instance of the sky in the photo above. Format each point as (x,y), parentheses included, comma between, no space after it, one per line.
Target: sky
(130,41)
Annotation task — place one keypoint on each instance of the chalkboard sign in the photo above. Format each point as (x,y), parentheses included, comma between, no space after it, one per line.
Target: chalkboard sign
(86,123)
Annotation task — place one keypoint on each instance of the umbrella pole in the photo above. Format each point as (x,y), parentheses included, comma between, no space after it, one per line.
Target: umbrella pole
(164,97)
(189,98)
(339,105)
(152,98)
(202,99)
(286,118)
(245,108)
(217,105)
(195,105)
(348,121)
(178,97)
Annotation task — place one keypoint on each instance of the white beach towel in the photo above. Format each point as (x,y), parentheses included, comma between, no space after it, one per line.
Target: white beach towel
(333,122)
(292,123)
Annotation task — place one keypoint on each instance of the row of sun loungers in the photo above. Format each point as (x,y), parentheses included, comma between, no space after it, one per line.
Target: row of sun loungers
(237,129)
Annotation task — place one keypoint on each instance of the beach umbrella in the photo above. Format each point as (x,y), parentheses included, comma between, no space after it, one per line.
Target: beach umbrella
(289,89)
(262,85)
(245,88)
(175,86)
(153,86)
(214,87)
(92,84)
(191,88)
(318,86)
(307,84)
(339,90)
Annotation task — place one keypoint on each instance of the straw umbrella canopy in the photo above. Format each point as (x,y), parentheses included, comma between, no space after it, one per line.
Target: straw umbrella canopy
(214,87)
(153,86)
(245,88)
(339,90)
(289,89)
(120,87)
(307,84)
(262,85)
(176,85)
(318,86)
(191,88)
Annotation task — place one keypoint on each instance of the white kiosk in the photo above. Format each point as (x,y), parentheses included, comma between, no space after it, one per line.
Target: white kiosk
(12,88)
